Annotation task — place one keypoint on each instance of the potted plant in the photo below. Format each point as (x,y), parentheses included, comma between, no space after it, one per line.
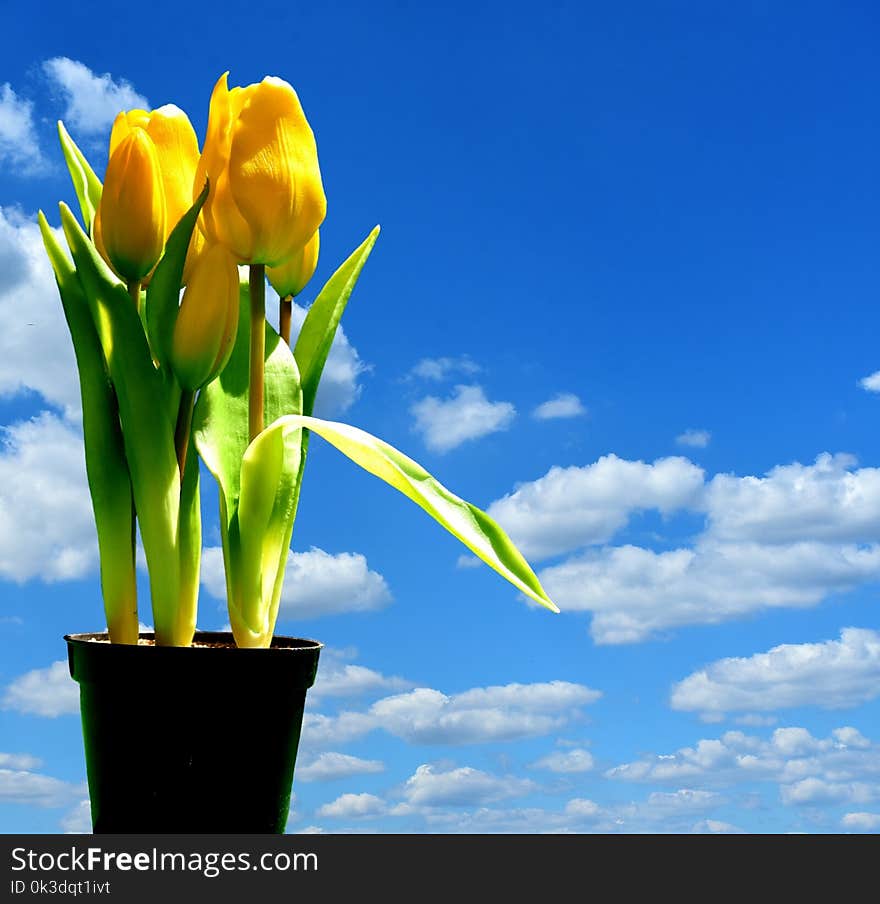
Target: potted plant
(189,731)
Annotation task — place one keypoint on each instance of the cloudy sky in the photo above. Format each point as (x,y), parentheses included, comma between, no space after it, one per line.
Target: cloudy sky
(625,299)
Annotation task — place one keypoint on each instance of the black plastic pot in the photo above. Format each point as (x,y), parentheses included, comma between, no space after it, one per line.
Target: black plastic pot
(199,739)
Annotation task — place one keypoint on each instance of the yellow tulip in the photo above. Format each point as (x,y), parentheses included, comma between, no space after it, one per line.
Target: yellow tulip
(266,198)
(292,276)
(130,221)
(176,156)
(207,321)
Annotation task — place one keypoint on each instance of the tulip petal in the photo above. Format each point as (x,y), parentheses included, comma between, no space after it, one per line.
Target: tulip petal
(274,175)
(221,221)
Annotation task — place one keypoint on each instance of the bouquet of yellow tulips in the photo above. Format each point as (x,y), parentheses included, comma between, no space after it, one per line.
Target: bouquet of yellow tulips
(178,364)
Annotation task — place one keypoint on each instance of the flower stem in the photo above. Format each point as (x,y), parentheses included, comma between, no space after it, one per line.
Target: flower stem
(134,289)
(182,430)
(257,350)
(286,305)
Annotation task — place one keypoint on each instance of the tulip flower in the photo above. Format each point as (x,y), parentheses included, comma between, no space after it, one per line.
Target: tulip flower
(148,188)
(266,199)
(207,321)
(291,278)
(130,221)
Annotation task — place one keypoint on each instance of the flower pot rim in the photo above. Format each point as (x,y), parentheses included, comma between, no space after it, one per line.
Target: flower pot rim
(204,642)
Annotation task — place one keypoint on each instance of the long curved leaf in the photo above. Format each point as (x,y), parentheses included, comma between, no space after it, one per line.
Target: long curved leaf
(473,527)
(318,329)
(86,184)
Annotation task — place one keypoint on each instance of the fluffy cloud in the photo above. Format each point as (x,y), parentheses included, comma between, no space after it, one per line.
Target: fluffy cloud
(36,353)
(567,762)
(872,382)
(78,821)
(479,715)
(426,716)
(19,146)
(441,368)
(463,787)
(22,787)
(829,500)
(697,439)
(44,692)
(338,678)
(47,528)
(354,806)
(18,761)
(340,382)
(316,583)
(467,415)
(329,766)
(92,101)
(861,822)
(635,593)
(569,508)
(564,405)
(831,674)
(841,768)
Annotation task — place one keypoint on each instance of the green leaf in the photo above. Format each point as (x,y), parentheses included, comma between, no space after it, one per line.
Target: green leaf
(220,421)
(163,293)
(480,533)
(86,184)
(258,481)
(106,467)
(147,431)
(319,327)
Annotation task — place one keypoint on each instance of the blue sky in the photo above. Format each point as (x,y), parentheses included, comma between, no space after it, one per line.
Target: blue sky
(625,299)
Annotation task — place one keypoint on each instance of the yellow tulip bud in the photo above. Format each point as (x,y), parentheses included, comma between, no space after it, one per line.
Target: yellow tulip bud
(176,154)
(207,321)
(293,275)
(130,225)
(266,199)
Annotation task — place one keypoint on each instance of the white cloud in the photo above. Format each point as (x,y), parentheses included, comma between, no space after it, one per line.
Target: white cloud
(817,791)
(871,383)
(464,787)
(715,827)
(831,674)
(841,768)
(441,368)
(564,405)
(479,715)
(92,101)
(354,806)
(697,439)
(329,766)
(426,716)
(339,388)
(634,593)
(861,822)
(78,821)
(571,507)
(18,761)
(47,528)
(337,678)
(19,145)
(22,787)
(828,500)
(36,353)
(566,762)
(44,692)
(467,415)
(316,583)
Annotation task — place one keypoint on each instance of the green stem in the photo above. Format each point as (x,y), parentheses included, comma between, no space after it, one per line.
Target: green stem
(134,289)
(183,428)
(284,312)
(257,350)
